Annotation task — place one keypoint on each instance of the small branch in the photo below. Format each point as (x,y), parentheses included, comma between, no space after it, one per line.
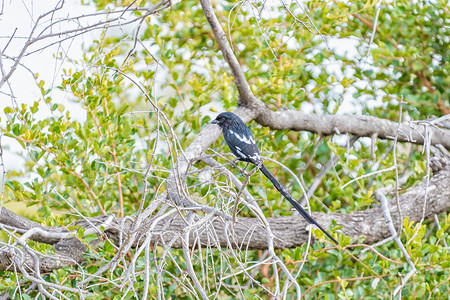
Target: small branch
(374,29)
(390,224)
(189,265)
(246,95)
(332,162)
(241,189)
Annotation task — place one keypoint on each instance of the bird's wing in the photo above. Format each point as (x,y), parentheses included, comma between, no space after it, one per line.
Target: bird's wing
(242,144)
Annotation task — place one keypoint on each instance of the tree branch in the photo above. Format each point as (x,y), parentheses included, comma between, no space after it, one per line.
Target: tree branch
(248,233)
(362,126)
(245,94)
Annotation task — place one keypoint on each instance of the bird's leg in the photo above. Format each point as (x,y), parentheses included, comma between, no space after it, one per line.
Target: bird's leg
(259,165)
(243,171)
(233,163)
(245,168)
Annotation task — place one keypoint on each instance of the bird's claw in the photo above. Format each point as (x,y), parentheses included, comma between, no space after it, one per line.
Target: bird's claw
(242,171)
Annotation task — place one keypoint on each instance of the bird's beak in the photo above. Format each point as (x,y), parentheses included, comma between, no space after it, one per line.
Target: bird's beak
(214,121)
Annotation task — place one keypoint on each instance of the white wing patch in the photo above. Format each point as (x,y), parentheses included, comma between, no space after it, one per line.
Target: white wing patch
(244,139)
(239,152)
(256,157)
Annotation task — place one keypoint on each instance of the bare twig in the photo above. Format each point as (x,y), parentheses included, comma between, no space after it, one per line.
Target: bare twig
(387,215)
(330,164)
(241,189)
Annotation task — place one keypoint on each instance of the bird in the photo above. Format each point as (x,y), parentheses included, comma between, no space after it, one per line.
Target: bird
(242,143)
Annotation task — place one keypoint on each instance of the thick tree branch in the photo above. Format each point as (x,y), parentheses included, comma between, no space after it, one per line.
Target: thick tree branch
(363,126)
(20,224)
(248,233)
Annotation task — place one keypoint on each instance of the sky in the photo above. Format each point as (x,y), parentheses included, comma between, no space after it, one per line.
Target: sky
(16,22)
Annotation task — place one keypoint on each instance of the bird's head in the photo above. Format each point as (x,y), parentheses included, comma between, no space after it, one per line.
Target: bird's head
(226,119)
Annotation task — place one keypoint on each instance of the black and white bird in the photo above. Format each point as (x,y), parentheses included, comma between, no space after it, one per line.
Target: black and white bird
(241,142)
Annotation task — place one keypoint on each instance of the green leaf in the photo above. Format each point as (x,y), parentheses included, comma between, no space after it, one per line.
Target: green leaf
(16,129)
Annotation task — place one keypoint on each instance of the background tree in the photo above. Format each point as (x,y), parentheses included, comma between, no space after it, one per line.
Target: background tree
(133,201)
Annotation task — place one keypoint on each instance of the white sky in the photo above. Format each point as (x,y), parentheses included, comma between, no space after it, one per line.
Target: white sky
(18,18)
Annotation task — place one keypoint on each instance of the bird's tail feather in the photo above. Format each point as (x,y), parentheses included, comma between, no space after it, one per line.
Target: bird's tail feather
(294,203)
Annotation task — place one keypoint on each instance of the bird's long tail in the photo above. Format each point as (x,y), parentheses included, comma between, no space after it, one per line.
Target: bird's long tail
(294,203)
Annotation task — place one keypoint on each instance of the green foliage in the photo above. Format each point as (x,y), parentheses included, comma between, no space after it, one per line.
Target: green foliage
(96,162)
